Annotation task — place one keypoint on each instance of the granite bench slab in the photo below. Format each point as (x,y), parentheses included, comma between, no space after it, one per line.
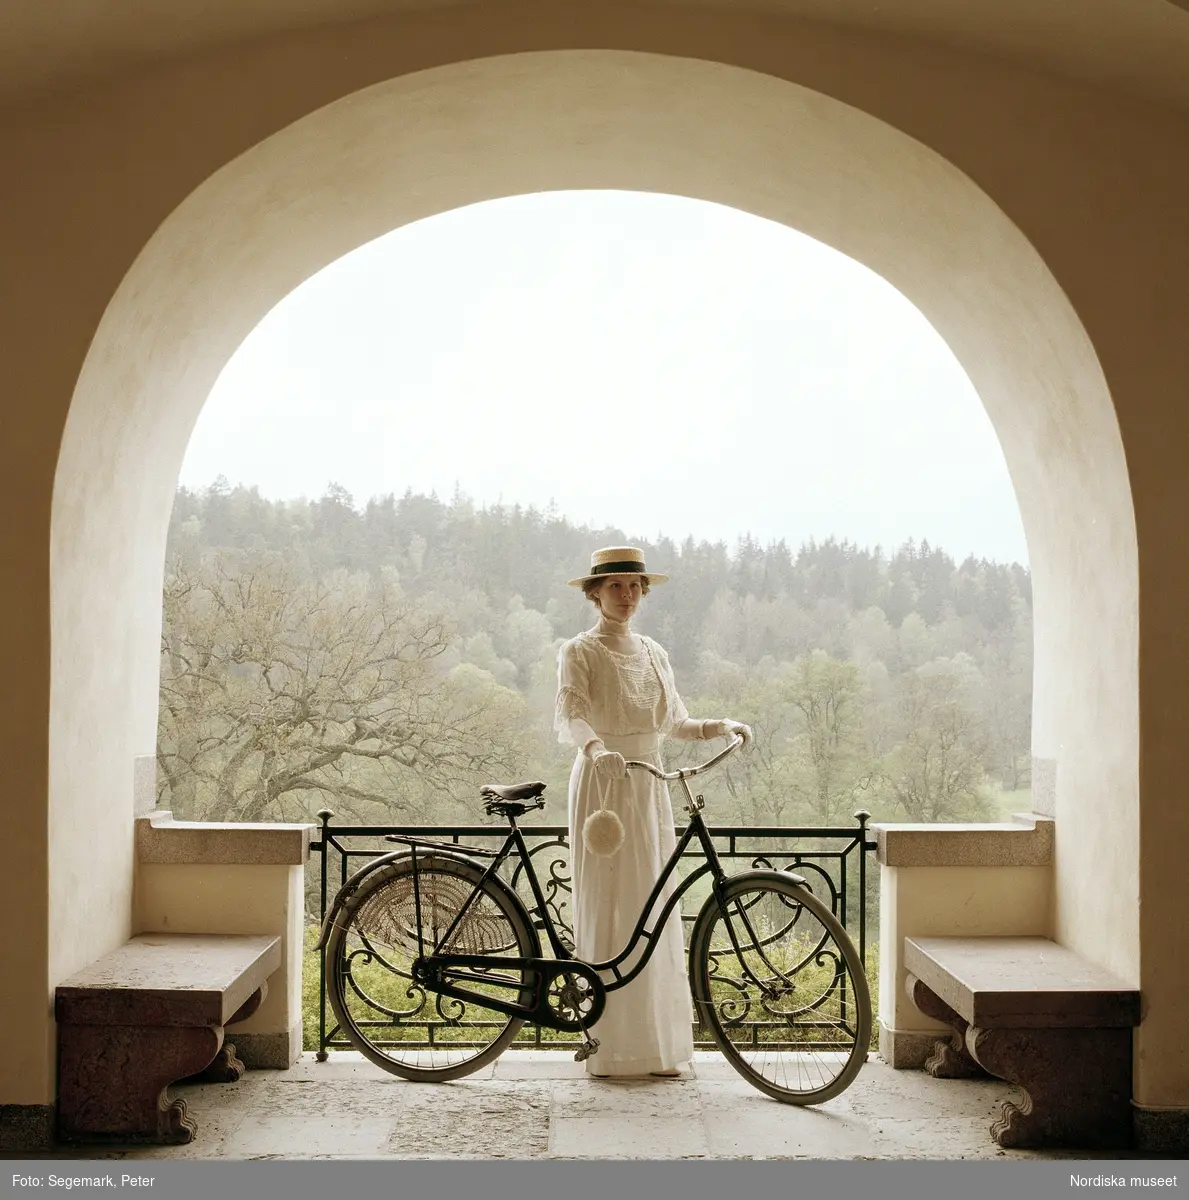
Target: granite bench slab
(169,979)
(1002,982)
(1037,1014)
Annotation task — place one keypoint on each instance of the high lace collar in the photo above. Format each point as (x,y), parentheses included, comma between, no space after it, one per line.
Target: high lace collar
(610,627)
(623,645)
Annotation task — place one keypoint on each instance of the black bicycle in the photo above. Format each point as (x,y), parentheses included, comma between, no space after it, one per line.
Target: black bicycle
(433,930)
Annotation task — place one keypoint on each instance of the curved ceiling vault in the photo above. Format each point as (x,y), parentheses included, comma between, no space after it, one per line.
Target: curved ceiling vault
(1136,46)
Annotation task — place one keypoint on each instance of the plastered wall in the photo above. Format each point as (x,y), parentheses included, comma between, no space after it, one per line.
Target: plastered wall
(235,898)
(147,222)
(952,902)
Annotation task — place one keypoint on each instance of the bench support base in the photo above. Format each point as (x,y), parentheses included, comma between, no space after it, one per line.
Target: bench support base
(949,1059)
(224,1068)
(113,1081)
(1076,1083)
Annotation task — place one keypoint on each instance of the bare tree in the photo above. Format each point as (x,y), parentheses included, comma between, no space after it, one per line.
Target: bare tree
(280,695)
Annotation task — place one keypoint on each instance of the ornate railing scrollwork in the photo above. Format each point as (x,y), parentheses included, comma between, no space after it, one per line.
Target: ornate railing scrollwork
(832,860)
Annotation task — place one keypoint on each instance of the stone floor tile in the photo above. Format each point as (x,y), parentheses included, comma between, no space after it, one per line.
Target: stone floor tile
(284,1135)
(610,1135)
(550,1064)
(527,1065)
(342,1064)
(216,1127)
(955,1138)
(736,1093)
(950,1138)
(885,1092)
(628,1097)
(304,1097)
(714,1066)
(499,1119)
(777,1130)
(350,1065)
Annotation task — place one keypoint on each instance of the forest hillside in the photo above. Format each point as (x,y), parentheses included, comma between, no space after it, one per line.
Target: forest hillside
(384,659)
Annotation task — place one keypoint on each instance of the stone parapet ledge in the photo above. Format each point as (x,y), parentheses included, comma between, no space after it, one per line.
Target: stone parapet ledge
(161,839)
(1025,841)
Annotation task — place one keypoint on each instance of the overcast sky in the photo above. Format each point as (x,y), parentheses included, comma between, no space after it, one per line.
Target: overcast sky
(661,364)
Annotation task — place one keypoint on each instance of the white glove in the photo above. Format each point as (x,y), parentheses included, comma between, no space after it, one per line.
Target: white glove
(730,728)
(609,764)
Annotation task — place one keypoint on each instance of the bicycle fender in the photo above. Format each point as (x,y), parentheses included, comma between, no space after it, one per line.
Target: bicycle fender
(761,873)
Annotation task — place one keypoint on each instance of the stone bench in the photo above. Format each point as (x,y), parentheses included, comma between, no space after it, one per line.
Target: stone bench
(149,1014)
(1034,1013)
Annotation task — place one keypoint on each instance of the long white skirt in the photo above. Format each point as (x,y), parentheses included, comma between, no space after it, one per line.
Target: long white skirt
(647,1025)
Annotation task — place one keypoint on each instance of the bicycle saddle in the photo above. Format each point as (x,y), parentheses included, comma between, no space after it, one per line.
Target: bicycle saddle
(511,791)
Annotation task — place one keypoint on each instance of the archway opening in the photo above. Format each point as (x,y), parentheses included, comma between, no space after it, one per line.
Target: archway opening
(457,135)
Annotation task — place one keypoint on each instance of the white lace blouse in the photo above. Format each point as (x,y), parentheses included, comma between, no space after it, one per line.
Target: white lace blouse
(616,694)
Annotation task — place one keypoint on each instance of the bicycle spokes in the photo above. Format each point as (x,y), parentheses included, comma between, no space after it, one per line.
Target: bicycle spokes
(779,983)
(398,1021)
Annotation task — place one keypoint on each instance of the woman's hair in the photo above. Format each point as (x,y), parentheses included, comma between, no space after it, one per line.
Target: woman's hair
(591,587)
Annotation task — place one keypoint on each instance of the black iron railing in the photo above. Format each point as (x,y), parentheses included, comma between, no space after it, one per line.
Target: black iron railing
(833,860)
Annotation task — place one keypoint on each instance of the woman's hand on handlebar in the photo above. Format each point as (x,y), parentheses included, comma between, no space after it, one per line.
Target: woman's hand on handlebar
(737,728)
(610,764)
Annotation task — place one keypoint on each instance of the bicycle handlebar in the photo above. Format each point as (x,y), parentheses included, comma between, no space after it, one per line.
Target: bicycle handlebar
(687,772)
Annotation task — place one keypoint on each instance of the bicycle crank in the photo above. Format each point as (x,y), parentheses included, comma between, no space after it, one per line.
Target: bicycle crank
(573,998)
(574,995)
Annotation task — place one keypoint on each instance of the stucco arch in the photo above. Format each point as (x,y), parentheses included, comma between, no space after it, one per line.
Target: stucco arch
(453,135)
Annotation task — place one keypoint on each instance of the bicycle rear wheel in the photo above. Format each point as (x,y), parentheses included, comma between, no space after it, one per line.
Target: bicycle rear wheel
(781,985)
(393,1020)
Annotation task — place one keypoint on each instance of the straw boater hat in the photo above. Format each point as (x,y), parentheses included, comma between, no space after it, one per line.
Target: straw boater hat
(618,560)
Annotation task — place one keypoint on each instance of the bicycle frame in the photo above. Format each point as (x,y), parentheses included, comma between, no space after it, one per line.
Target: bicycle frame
(445,973)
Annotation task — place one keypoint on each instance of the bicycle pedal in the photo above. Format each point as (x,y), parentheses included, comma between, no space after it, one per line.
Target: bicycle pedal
(586,1050)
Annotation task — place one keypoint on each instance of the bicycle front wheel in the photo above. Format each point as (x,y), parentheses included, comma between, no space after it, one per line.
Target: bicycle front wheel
(782,988)
(393,1020)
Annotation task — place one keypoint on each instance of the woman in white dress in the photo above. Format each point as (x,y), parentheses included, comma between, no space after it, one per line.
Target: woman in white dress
(616,699)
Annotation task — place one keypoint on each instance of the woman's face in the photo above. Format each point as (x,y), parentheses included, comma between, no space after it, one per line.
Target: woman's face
(620,596)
